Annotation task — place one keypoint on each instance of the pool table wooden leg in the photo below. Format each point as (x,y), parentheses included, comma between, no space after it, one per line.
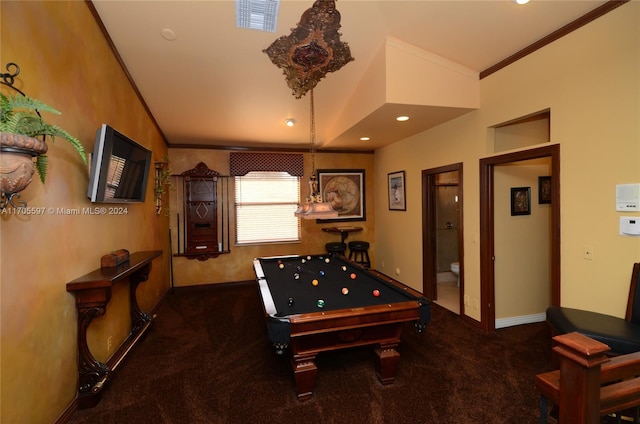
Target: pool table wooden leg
(304,371)
(387,359)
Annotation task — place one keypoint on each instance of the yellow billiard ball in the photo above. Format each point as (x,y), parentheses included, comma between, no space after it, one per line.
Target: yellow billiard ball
(315,282)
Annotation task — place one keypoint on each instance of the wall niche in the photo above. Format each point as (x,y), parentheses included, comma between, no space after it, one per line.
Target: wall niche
(529,130)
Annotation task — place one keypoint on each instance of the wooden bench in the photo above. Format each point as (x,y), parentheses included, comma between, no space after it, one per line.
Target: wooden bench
(589,384)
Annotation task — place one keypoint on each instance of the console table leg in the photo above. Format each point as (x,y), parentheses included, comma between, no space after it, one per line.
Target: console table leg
(139,318)
(91,372)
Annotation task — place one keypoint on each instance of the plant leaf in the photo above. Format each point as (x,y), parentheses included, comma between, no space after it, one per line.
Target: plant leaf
(41,166)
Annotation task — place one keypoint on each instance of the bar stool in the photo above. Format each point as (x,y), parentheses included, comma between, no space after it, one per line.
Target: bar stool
(336,248)
(359,252)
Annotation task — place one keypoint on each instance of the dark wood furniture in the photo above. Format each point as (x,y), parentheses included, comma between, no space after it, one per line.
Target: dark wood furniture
(336,248)
(343,231)
(588,384)
(201,212)
(93,292)
(295,319)
(621,335)
(359,252)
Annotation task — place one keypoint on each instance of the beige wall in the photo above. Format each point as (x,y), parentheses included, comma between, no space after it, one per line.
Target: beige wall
(590,82)
(522,243)
(237,265)
(66,62)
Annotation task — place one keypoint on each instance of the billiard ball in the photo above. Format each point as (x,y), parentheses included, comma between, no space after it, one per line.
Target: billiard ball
(344,268)
(322,273)
(299,268)
(308,258)
(353,276)
(345,291)
(376,293)
(320,303)
(296,276)
(327,260)
(315,282)
(304,260)
(281,266)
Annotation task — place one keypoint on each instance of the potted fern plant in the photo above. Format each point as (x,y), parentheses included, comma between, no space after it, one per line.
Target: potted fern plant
(22,137)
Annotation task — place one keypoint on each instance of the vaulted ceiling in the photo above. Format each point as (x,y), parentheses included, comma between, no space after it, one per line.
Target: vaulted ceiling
(207,82)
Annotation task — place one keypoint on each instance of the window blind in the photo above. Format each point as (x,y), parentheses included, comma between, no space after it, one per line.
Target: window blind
(265,206)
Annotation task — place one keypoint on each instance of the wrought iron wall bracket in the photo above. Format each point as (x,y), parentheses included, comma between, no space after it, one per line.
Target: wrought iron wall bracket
(8,79)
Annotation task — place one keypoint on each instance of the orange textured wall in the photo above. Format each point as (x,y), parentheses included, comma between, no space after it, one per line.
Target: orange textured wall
(65,61)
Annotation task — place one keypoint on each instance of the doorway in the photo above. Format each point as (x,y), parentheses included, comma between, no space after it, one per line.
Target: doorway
(443,252)
(487,228)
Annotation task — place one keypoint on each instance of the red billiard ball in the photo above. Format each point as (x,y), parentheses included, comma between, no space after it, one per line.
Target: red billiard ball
(345,291)
(353,276)
(376,293)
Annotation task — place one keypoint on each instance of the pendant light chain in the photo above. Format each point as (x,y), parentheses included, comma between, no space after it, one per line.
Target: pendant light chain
(313,136)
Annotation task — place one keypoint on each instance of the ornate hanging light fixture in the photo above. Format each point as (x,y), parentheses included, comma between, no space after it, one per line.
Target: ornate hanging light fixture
(306,55)
(315,208)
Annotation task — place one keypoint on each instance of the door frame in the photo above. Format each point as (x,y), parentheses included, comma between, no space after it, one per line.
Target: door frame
(487,243)
(429,248)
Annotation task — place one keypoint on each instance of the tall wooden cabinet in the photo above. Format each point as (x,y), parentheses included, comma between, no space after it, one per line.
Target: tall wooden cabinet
(201,211)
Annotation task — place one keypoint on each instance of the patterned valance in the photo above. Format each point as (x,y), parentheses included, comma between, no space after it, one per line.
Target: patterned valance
(242,163)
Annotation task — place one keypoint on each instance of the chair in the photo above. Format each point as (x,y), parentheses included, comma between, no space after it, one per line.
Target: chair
(359,252)
(621,335)
(336,248)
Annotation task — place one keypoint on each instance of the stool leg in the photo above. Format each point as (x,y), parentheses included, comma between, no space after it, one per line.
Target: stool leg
(367,261)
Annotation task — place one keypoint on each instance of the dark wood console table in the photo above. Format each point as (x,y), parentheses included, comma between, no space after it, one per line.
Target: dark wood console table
(93,292)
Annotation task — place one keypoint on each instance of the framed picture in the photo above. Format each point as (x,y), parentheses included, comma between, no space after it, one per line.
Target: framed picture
(544,190)
(521,201)
(344,189)
(397,191)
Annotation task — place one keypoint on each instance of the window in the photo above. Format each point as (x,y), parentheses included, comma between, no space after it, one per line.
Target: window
(114,175)
(265,206)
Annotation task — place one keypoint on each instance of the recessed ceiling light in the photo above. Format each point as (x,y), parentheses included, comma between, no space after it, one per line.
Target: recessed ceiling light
(522,1)
(402,118)
(290,122)
(168,34)
(365,138)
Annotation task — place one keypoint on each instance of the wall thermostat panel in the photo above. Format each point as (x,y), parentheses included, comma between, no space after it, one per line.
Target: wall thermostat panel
(629,226)
(628,197)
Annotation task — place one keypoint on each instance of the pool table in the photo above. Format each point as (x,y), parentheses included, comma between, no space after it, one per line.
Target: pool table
(320,303)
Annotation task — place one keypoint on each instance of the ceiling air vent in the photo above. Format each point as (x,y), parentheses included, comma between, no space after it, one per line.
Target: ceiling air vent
(257,14)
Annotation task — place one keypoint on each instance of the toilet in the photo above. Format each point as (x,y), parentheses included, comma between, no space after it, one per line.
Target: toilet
(455,268)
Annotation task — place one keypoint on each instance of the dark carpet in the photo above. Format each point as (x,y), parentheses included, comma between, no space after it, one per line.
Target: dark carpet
(207,360)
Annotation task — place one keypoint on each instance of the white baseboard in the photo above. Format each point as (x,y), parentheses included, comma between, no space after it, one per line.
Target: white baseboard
(524,319)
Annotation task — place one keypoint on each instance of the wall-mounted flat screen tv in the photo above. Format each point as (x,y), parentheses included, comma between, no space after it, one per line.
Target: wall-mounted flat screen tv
(119,168)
